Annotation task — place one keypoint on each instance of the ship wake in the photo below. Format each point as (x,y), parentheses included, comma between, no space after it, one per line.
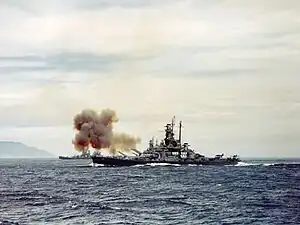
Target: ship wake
(239,164)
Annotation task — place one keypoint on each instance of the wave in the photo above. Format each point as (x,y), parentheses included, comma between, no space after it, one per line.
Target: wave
(159,164)
(96,165)
(254,164)
(268,164)
(165,164)
(193,165)
(7,222)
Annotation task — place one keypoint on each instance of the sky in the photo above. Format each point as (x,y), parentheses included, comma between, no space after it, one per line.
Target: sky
(228,69)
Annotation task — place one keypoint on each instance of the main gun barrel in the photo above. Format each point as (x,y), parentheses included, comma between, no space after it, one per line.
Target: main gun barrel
(123,154)
(136,151)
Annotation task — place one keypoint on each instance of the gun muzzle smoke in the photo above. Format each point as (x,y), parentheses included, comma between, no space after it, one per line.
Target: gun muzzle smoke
(96,130)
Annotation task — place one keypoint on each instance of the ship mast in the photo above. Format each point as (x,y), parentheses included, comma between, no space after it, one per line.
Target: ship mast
(180,126)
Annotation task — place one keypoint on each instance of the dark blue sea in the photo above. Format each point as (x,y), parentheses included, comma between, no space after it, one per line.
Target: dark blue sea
(73,192)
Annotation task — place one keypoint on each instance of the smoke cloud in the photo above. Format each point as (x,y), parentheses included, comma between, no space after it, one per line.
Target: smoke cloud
(96,130)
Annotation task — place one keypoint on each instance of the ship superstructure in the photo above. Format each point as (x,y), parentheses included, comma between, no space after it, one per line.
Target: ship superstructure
(171,148)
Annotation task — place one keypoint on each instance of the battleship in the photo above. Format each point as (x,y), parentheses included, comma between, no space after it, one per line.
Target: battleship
(170,150)
(84,155)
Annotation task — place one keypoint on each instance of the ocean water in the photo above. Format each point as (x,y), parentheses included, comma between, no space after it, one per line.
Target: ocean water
(74,192)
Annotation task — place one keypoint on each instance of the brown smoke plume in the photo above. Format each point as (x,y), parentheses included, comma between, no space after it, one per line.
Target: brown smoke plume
(96,130)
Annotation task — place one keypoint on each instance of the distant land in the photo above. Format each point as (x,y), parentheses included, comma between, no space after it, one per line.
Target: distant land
(11,149)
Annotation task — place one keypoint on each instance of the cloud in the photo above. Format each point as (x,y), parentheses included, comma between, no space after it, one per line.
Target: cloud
(186,37)
(61,62)
(125,30)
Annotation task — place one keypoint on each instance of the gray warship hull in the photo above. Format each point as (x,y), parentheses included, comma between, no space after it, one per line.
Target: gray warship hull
(73,158)
(114,161)
(84,155)
(170,150)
